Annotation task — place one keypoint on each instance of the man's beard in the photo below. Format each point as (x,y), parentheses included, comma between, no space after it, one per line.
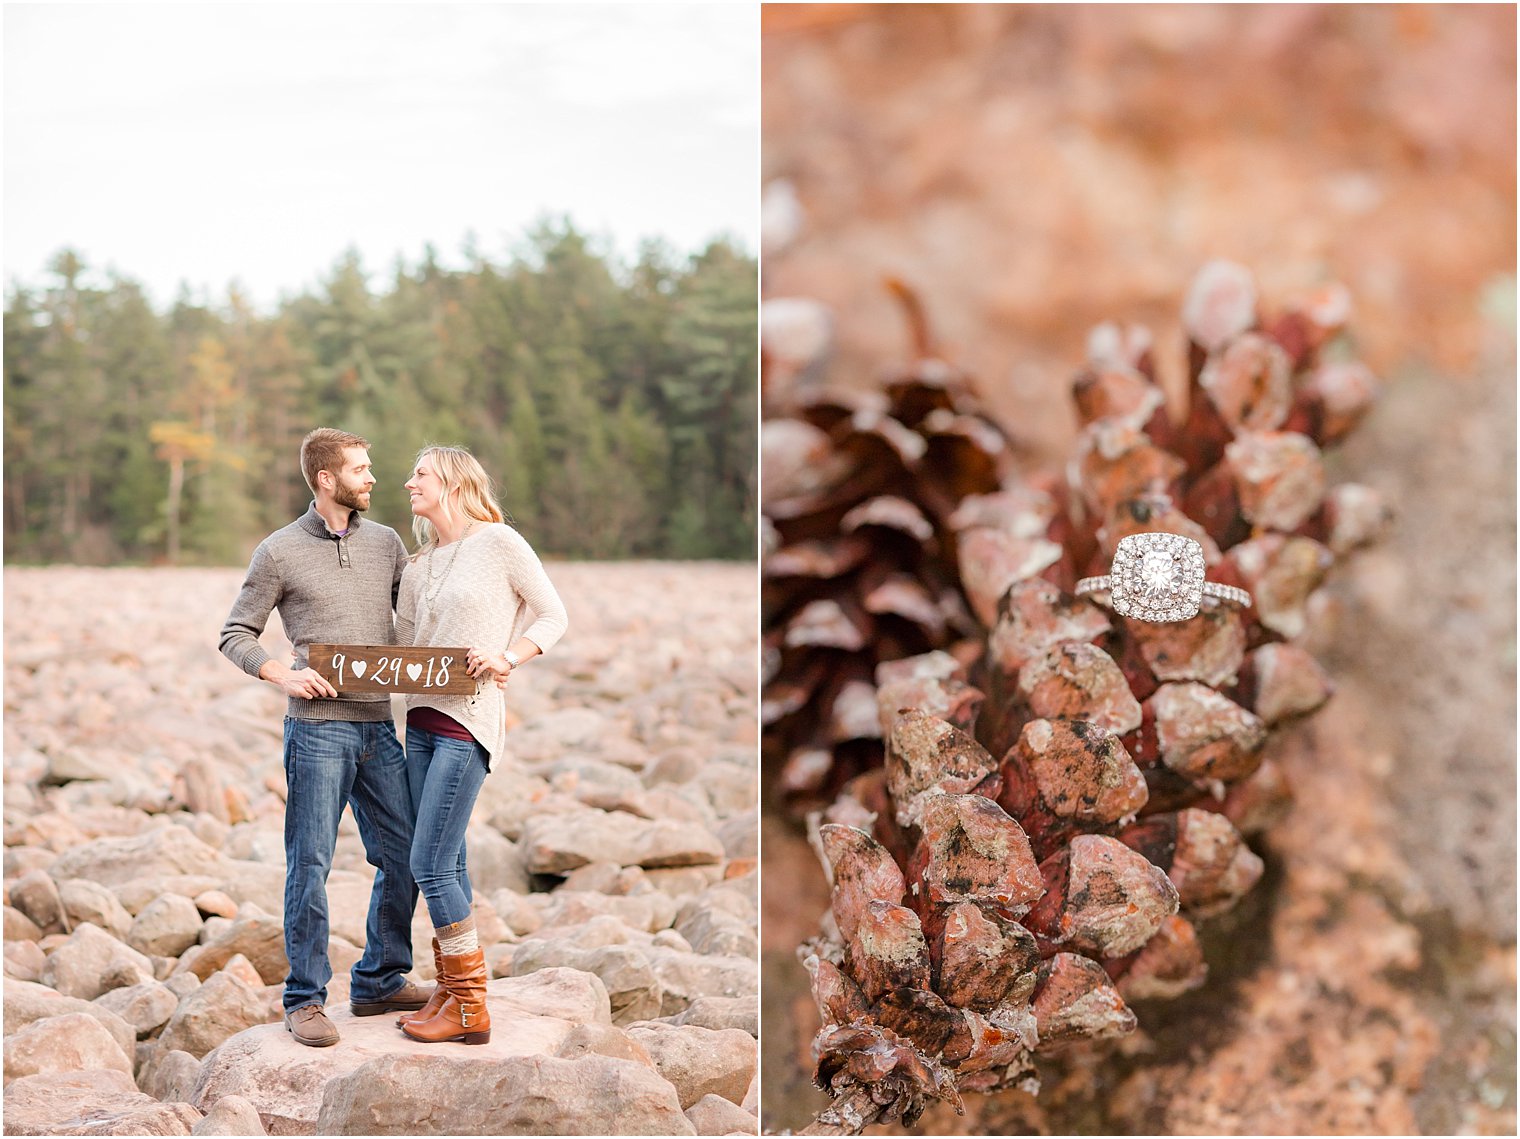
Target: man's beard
(351,497)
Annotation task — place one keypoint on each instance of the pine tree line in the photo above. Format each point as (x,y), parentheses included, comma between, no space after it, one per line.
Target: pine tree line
(615,406)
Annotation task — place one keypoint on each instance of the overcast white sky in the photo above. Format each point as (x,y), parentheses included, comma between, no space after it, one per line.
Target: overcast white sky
(207,142)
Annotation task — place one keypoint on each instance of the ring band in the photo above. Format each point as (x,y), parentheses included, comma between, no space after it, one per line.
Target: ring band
(1159,577)
(1215,589)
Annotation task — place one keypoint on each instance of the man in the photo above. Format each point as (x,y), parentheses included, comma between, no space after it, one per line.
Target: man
(334,577)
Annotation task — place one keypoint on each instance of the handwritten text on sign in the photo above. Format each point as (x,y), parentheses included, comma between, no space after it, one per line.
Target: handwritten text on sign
(393,668)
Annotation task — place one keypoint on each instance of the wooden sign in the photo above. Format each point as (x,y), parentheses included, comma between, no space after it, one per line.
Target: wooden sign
(393,668)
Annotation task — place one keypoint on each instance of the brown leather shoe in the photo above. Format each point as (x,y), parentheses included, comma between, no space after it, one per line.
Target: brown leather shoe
(409,996)
(439,995)
(463,1016)
(310,1026)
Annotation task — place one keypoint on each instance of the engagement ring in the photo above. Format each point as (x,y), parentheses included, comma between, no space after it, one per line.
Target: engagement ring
(1159,577)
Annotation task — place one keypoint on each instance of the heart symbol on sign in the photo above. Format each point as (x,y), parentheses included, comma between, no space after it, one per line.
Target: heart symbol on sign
(414,671)
(360,666)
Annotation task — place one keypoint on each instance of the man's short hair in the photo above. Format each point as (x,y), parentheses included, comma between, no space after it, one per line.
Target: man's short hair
(322,450)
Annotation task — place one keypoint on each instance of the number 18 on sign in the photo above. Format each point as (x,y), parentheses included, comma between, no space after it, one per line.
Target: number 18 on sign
(393,668)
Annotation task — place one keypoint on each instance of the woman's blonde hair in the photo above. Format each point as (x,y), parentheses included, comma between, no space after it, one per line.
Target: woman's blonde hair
(459,471)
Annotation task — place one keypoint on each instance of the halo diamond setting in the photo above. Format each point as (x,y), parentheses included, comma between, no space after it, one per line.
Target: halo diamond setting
(1159,577)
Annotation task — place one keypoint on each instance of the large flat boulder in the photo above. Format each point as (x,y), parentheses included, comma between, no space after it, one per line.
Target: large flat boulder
(145,1007)
(232,1115)
(35,895)
(553,844)
(91,962)
(531,1016)
(566,994)
(26,1002)
(165,927)
(256,935)
(714,1115)
(262,883)
(117,861)
(222,1007)
(557,732)
(137,893)
(19,927)
(86,901)
(495,863)
(169,1075)
(94,1102)
(700,1061)
(633,990)
(74,1042)
(684,977)
(650,911)
(24,960)
(722,1012)
(459,1093)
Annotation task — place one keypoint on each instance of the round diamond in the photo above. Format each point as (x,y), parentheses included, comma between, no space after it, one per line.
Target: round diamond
(1156,571)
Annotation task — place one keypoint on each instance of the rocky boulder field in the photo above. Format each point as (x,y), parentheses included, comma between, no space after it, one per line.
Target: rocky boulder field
(613,854)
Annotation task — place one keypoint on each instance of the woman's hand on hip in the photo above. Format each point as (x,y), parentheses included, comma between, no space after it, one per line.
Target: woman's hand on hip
(481,664)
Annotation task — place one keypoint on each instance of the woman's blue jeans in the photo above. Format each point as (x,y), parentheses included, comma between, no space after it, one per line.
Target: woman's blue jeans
(445,776)
(329,763)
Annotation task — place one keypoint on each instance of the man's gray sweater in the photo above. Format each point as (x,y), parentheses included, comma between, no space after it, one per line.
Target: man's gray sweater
(330,589)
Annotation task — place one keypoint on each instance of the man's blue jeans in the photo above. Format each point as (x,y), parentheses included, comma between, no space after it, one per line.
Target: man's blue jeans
(446,776)
(329,763)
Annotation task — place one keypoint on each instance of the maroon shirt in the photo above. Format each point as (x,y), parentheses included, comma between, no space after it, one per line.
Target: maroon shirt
(432,720)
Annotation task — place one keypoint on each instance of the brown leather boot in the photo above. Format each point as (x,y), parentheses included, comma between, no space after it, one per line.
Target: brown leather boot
(439,995)
(464,1016)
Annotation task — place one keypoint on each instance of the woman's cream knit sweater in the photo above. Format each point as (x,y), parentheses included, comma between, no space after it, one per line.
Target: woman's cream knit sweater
(484,601)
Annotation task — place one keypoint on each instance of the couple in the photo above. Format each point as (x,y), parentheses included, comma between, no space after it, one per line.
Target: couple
(336,579)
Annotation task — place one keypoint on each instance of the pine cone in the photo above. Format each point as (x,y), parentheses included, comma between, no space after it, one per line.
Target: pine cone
(1059,806)
(864,497)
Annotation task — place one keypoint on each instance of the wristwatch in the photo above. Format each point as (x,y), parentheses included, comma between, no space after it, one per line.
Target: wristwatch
(513,660)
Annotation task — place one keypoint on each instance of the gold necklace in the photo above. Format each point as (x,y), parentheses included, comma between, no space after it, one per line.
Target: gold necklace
(429,591)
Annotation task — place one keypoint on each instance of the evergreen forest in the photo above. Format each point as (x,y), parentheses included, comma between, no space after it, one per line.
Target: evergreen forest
(614,404)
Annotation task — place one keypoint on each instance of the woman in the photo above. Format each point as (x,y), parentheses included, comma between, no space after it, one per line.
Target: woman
(472,583)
